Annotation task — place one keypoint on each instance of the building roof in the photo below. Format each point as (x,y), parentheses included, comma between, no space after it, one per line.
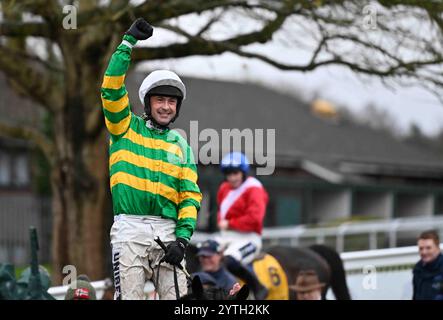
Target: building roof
(331,148)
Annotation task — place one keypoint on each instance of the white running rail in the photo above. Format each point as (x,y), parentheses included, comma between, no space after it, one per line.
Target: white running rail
(296,235)
(393,265)
(100,287)
(393,274)
(384,274)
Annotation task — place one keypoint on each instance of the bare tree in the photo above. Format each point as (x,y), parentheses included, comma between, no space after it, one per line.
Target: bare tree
(397,41)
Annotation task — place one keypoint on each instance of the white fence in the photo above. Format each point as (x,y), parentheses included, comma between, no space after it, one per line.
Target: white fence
(100,287)
(384,274)
(302,235)
(371,274)
(298,235)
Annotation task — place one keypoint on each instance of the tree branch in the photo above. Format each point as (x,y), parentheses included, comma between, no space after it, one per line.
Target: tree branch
(156,11)
(40,86)
(34,29)
(199,46)
(208,24)
(403,68)
(31,134)
(47,9)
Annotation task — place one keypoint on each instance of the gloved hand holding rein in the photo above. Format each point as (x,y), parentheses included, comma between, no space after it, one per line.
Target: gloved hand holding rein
(176,251)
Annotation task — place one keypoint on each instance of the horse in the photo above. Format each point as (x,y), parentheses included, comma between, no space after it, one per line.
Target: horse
(323,259)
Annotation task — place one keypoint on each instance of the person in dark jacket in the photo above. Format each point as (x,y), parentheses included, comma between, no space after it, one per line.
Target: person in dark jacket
(210,257)
(428,272)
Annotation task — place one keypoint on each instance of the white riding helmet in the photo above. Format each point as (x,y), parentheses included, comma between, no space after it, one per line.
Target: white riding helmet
(162,82)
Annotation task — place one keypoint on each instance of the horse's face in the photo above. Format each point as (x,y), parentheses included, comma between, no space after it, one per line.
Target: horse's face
(213,293)
(192,262)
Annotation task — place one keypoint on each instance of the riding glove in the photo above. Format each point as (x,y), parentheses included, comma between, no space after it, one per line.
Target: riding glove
(176,251)
(140,29)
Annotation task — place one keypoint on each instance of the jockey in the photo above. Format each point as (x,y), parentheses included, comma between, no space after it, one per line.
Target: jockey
(153,176)
(242,204)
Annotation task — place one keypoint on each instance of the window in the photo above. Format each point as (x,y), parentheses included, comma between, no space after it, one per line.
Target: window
(21,171)
(5,169)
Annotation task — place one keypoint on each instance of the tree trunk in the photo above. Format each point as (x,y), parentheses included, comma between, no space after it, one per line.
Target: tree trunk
(80,178)
(80,205)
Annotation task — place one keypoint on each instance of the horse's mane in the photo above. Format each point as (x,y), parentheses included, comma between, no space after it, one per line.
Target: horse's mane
(211,293)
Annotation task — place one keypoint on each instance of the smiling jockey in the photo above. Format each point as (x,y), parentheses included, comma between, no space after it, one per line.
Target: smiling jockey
(242,204)
(153,176)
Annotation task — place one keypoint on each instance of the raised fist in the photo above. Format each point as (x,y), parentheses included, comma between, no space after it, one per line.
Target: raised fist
(140,29)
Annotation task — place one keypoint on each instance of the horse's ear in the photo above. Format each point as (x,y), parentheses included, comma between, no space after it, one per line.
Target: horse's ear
(191,249)
(243,294)
(197,287)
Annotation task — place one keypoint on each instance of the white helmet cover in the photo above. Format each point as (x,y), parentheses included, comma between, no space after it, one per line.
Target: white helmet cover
(160,78)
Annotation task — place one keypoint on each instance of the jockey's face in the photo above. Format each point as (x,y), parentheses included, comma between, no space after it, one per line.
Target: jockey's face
(210,263)
(235,179)
(163,109)
(428,250)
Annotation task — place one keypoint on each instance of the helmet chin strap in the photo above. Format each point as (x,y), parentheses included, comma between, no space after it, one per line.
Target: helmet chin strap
(151,123)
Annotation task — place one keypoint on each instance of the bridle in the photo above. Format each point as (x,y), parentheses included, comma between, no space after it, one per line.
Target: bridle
(179,266)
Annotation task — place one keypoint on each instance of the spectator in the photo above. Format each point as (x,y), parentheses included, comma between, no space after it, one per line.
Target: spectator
(307,286)
(428,272)
(210,257)
(81,289)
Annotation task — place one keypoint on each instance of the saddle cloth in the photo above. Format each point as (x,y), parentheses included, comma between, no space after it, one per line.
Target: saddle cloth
(271,274)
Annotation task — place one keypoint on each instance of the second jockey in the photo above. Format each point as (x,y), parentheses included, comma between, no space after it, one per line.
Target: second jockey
(242,202)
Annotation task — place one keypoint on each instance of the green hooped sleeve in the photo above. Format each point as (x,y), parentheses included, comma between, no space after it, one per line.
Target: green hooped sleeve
(114,95)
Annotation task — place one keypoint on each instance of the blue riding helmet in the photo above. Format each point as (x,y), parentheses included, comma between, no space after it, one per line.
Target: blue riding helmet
(233,161)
